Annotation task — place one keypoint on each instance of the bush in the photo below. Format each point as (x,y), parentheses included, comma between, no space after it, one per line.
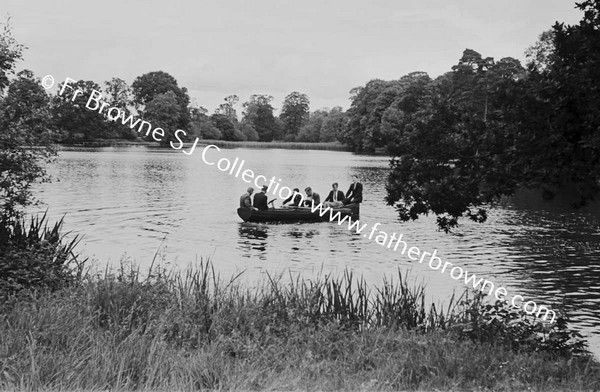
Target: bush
(34,256)
(502,324)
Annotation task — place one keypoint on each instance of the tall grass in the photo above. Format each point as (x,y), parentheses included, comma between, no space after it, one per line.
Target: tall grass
(192,330)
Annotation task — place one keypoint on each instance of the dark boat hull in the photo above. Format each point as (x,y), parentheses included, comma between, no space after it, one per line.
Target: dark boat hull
(299,214)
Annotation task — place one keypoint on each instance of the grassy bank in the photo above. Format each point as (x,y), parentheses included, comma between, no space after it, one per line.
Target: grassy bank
(190,330)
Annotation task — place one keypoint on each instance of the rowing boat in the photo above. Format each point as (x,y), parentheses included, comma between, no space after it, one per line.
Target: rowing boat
(297,214)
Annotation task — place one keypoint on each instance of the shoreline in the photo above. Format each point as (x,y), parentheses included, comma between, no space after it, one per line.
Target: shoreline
(333,146)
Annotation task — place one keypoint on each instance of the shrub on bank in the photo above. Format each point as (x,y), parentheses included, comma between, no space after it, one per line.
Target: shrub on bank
(502,324)
(35,257)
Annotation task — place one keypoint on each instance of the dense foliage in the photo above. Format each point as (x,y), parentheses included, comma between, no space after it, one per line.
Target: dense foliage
(25,131)
(486,128)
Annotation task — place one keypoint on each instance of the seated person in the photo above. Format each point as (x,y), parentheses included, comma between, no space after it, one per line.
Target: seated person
(246,200)
(335,197)
(260,199)
(313,198)
(295,199)
(354,194)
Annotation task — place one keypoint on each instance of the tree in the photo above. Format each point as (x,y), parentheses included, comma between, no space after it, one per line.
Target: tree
(539,55)
(311,132)
(559,110)
(201,125)
(74,121)
(333,125)
(247,129)
(10,52)
(163,111)
(323,126)
(294,114)
(259,113)
(452,140)
(118,94)
(227,128)
(228,108)
(363,131)
(146,87)
(25,122)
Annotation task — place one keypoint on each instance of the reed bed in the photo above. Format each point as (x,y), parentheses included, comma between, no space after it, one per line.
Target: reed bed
(330,146)
(193,330)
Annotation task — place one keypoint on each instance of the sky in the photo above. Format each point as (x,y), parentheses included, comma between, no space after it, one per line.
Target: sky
(320,48)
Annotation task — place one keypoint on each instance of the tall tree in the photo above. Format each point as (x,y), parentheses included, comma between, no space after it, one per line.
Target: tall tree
(201,125)
(258,112)
(452,142)
(163,111)
(118,94)
(10,53)
(559,110)
(363,132)
(294,114)
(148,86)
(228,108)
(539,55)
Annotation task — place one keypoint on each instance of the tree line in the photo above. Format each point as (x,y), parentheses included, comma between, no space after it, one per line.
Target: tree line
(156,97)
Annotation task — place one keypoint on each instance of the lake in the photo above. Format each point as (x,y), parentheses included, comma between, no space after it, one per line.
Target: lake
(131,202)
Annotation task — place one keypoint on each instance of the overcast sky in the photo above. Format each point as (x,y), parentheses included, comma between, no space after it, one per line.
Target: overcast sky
(321,48)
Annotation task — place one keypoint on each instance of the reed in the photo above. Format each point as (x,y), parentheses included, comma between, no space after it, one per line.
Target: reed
(192,330)
(35,255)
(330,146)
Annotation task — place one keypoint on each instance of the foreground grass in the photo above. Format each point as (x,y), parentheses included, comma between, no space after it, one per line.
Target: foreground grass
(192,331)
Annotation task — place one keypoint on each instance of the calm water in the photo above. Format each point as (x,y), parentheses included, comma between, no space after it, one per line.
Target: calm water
(128,201)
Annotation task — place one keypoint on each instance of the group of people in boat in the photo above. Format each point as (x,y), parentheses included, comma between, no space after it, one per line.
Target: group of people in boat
(335,199)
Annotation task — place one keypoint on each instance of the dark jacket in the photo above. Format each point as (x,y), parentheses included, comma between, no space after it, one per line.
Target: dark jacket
(354,194)
(340,196)
(297,199)
(260,201)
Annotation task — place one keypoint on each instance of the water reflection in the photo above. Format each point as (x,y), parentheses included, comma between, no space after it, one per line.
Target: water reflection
(253,237)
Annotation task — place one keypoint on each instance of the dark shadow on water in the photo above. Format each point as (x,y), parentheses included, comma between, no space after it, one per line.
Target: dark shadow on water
(253,239)
(556,252)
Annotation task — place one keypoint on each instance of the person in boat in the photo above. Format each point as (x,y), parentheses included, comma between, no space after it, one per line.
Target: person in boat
(354,194)
(246,200)
(335,197)
(312,199)
(295,199)
(260,199)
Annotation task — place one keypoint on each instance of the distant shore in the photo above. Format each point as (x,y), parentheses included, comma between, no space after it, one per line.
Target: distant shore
(330,146)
